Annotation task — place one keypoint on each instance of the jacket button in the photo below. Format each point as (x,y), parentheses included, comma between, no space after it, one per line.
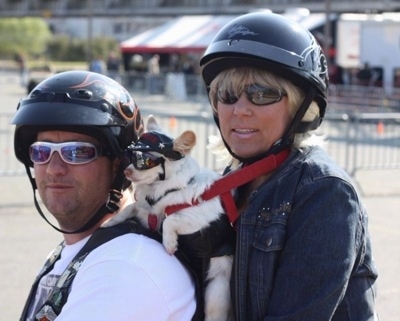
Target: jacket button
(268,242)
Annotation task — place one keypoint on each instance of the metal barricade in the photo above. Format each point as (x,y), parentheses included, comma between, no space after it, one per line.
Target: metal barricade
(8,163)
(364,141)
(375,141)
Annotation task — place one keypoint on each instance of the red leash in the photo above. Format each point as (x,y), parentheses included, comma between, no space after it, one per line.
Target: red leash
(224,186)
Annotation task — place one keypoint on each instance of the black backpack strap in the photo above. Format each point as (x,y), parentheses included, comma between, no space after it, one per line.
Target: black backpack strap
(52,307)
(47,267)
(197,268)
(196,249)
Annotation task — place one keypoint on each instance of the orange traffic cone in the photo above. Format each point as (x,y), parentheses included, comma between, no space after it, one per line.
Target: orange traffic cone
(380,127)
(172,122)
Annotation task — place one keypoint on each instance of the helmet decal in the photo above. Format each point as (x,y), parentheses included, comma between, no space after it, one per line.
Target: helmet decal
(319,66)
(137,123)
(240,30)
(127,109)
(101,87)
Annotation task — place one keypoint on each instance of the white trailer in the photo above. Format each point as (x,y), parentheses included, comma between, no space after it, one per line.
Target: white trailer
(370,38)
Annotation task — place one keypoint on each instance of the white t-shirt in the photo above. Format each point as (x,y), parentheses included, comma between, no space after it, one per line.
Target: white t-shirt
(131,277)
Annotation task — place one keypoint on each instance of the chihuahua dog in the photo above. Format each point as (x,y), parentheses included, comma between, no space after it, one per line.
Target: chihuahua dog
(163,175)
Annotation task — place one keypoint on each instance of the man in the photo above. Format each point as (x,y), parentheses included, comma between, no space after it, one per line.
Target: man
(73,129)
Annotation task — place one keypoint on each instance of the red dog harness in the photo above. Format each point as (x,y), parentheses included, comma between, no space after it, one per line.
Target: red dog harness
(224,186)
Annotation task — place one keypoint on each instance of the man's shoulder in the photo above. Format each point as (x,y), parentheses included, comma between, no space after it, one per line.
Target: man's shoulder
(135,250)
(125,269)
(128,245)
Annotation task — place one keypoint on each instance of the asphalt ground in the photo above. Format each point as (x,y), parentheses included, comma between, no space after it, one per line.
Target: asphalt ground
(25,239)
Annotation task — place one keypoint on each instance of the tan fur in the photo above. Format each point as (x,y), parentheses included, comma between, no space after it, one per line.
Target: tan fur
(185,142)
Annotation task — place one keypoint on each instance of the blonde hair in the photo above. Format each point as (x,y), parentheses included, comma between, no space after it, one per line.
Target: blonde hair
(234,80)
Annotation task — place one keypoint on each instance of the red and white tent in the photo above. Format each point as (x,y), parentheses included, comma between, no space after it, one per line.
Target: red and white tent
(187,34)
(192,34)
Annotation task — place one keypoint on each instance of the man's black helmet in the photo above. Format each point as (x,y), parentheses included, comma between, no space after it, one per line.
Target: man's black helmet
(272,42)
(78,101)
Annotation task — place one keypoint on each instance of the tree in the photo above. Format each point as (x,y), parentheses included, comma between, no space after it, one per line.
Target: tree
(28,36)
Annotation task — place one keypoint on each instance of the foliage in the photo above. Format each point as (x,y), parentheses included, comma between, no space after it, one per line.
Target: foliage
(26,36)
(65,48)
(31,38)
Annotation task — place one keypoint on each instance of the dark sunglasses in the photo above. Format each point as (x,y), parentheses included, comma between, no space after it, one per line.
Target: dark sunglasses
(142,160)
(73,153)
(257,94)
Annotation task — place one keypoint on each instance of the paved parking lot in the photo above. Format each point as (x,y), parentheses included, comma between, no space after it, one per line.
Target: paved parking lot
(25,239)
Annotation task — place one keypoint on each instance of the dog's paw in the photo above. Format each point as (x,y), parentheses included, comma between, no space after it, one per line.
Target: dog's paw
(170,242)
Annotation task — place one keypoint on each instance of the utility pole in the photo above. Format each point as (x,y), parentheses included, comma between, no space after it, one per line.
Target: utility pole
(327,31)
(89,45)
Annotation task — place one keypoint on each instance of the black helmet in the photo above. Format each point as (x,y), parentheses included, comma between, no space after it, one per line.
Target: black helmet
(78,101)
(272,42)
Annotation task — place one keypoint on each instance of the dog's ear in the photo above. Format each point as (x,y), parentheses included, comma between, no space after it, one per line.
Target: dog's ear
(185,142)
(152,124)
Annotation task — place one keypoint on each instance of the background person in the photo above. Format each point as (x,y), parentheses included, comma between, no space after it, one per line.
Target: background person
(303,249)
(22,68)
(153,69)
(113,66)
(73,129)
(97,65)
(366,75)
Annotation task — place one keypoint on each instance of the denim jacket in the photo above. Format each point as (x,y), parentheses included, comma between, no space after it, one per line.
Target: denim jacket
(303,248)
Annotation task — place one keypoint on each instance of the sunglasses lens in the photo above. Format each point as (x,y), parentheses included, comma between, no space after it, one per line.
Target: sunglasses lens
(39,154)
(225,97)
(142,161)
(77,154)
(71,152)
(257,94)
(260,95)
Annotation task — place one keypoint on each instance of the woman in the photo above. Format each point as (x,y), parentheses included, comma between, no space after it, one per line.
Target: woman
(303,249)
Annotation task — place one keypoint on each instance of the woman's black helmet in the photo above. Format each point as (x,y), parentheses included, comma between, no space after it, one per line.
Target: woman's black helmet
(78,101)
(272,42)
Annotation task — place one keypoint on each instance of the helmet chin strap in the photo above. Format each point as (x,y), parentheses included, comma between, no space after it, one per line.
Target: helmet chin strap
(288,137)
(111,206)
